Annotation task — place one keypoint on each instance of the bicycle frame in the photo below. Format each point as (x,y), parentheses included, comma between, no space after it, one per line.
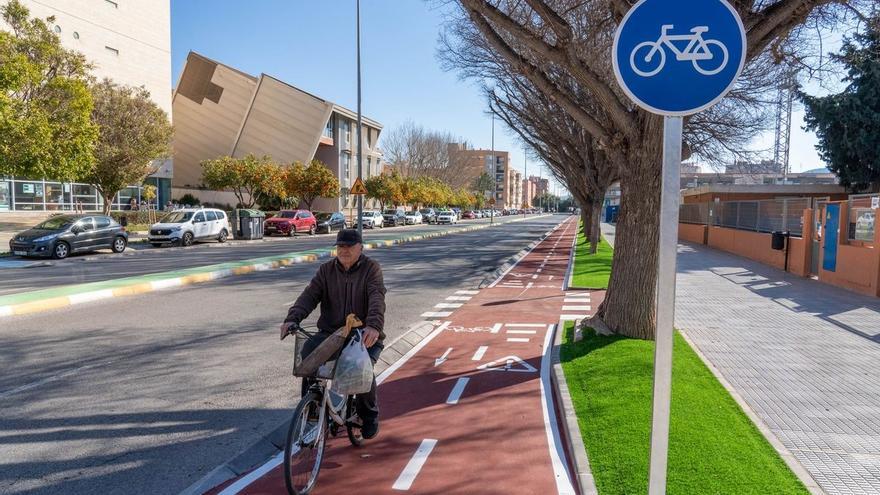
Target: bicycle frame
(689,53)
(323,385)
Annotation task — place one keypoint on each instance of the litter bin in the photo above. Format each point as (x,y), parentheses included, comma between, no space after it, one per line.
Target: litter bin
(250,224)
(777,240)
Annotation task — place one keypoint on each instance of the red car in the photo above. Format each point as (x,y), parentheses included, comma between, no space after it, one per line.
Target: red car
(290,222)
(469,214)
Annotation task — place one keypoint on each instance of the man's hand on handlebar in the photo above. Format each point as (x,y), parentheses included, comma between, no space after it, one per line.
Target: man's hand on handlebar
(288,328)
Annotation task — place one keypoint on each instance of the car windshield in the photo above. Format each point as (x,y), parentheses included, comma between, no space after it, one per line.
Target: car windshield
(425,212)
(177,217)
(391,212)
(412,213)
(286,214)
(56,223)
(323,216)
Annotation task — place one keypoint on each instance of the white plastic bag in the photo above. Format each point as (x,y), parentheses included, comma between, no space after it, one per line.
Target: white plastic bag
(354,369)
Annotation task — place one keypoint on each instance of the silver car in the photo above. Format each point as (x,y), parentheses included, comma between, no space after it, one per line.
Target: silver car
(372,219)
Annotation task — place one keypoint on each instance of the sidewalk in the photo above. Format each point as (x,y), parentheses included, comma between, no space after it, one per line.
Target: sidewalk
(471,409)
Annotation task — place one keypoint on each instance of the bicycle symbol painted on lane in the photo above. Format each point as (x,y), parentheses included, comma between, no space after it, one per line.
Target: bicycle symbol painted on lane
(648,58)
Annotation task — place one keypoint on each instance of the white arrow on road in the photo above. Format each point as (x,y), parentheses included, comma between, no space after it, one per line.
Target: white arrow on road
(442,359)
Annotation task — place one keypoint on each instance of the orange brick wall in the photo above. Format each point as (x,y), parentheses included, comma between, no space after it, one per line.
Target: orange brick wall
(692,233)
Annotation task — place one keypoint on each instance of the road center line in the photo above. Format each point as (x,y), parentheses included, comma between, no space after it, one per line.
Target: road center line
(523,332)
(457,390)
(514,339)
(481,351)
(408,475)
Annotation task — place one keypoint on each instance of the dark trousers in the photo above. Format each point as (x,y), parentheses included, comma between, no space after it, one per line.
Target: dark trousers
(367,404)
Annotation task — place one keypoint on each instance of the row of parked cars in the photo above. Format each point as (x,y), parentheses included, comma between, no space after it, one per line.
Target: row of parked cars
(63,235)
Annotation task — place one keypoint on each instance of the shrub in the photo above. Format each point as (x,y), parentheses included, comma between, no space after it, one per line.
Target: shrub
(189,199)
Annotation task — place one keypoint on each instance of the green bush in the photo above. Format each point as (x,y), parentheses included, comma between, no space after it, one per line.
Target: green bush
(189,199)
(135,216)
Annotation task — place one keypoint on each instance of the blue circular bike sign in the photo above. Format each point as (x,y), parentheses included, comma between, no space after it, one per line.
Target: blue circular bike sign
(678,57)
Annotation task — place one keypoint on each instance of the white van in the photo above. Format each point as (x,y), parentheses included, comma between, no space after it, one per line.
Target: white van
(183,227)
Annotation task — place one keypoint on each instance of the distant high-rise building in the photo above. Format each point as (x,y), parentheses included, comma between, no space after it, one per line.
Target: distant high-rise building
(495,163)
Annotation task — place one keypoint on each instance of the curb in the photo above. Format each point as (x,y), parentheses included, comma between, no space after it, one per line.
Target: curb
(141,284)
(574,443)
(272,443)
(790,460)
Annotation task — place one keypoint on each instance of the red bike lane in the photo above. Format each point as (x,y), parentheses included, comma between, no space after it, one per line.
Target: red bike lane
(470,409)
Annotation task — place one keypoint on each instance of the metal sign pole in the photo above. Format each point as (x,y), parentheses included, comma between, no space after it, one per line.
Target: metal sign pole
(669,199)
(360,201)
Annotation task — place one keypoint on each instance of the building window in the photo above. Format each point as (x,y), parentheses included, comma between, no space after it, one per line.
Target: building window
(328,129)
(346,166)
(112,50)
(346,130)
(369,166)
(112,3)
(369,138)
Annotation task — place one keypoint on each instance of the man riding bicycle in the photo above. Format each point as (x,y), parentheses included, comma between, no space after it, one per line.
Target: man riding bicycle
(349,283)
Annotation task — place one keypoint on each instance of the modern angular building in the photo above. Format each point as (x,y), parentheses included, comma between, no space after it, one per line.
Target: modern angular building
(126,41)
(219,111)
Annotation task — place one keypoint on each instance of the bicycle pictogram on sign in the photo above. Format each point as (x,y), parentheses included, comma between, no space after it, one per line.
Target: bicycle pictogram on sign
(648,58)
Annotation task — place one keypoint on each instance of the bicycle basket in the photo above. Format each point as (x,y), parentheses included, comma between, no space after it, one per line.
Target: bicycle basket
(324,371)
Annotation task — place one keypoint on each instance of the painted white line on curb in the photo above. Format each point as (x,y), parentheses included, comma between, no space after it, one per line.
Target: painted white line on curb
(576,308)
(5,311)
(90,296)
(457,390)
(254,475)
(516,339)
(496,328)
(458,298)
(523,332)
(572,317)
(448,305)
(166,284)
(436,314)
(554,439)
(408,475)
(481,351)
(410,353)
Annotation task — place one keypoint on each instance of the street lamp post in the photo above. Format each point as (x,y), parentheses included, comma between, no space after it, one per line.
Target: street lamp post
(360,160)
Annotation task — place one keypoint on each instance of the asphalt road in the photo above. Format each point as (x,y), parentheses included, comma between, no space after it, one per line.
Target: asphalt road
(147,394)
(42,274)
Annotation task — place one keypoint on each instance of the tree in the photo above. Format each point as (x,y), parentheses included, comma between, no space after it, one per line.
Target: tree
(415,151)
(133,132)
(848,123)
(311,182)
(380,188)
(247,177)
(561,48)
(45,104)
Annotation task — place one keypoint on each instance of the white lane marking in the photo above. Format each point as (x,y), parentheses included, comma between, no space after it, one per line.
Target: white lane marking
(481,351)
(523,332)
(90,296)
(409,473)
(436,314)
(539,270)
(458,298)
(468,292)
(529,285)
(576,300)
(551,277)
(576,308)
(509,361)
(557,454)
(442,359)
(457,390)
(525,325)
(534,276)
(254,475)
(5,310)
(493,284)
(448,305)
(496,328)
(572,317)
(400,362)
(517,340)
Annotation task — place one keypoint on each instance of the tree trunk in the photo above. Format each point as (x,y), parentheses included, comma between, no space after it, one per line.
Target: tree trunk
(595,228)
(585,217)
(628,308)
(108,202)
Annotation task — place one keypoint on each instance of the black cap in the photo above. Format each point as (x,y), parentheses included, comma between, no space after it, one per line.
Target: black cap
(348,237)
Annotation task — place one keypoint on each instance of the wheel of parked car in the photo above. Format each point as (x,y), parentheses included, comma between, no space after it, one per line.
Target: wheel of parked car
(292,231)
(187,239)
(61,250)
(223,236)
(119,244)
(312,229)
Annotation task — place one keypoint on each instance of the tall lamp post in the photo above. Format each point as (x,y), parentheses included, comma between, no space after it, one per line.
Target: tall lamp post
(360,160)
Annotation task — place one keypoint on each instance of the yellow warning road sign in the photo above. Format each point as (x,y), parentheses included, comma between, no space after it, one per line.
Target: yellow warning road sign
(491,201)
(358,187)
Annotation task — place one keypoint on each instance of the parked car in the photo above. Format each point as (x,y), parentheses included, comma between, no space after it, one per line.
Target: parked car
(447,216)
(478,214)
(469,215)
(393,218)
(291,222)
(428,215)
(413,218)
(457,212)
(61,235)
(373,219)
(189,225)
(328,222)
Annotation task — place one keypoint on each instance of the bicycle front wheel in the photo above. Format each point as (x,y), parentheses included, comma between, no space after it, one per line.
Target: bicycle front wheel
(304,448)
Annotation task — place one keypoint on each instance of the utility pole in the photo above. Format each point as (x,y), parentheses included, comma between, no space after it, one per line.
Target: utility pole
(492,171)
(526,182)
(360,159)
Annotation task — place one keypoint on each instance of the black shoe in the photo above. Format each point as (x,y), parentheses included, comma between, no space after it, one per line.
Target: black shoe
(370,429)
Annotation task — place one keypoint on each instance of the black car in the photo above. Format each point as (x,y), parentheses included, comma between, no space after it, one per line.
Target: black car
(62,235)
(393,218)
(428,215)
(328,222)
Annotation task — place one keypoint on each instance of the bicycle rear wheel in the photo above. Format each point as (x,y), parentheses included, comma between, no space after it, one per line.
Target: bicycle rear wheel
(304,448)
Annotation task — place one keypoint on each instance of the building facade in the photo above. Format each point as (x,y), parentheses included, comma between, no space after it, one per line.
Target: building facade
(221,111)
(529,191)
(126,41)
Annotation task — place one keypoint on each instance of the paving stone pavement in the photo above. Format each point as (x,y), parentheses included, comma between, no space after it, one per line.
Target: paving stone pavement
(804,355)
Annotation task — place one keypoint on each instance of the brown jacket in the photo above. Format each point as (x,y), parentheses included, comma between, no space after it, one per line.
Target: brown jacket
(360,290)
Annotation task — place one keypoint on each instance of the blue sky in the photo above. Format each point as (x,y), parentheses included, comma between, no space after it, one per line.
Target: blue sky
(311,44)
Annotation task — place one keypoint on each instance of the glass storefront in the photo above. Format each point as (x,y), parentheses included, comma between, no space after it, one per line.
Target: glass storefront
(42,195)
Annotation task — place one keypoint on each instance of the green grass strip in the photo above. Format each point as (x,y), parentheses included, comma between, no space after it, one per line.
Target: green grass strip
(591,271)
(713,446)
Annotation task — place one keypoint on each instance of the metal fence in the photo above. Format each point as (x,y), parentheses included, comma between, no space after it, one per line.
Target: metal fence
(861,216)
(756,216)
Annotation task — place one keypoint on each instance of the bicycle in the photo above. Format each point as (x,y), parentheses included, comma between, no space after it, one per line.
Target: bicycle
(320,411)
(697,50)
